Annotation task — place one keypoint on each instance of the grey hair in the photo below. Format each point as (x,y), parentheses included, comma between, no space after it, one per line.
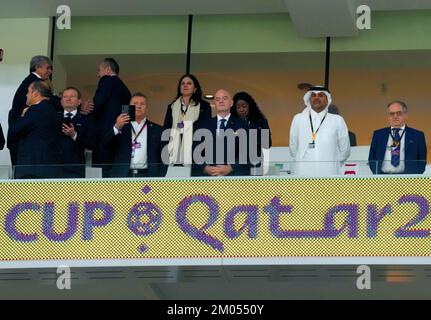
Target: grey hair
(112,64)
(39,61)
(401,103)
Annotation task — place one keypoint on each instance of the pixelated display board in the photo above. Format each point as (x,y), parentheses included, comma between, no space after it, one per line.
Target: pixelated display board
(340,217)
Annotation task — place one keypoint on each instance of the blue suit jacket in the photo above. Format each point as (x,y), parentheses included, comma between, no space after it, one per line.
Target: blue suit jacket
(19,104)
(415,150)
(37,136)
(122,146)
(239,169)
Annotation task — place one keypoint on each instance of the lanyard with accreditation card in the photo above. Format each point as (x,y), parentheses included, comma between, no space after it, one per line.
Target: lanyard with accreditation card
(135,143)
(396,143)
(312,145)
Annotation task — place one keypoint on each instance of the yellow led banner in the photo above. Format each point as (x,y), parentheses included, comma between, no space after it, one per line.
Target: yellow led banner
(341,217)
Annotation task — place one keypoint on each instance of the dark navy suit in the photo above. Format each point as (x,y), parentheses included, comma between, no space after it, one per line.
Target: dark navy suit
(37,137)
(110,95)
(415,150)
(19,104)
(122,147)
(239,169)
(73,152)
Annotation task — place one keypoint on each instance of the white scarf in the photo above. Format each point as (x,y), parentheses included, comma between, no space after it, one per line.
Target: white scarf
(178,149)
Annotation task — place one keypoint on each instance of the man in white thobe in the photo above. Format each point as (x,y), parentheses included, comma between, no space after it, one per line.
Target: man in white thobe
(319,141)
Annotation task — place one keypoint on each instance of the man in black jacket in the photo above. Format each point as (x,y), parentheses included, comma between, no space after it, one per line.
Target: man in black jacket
(136,144)
(110,95)
(78,134)
(36,135)
(40,69)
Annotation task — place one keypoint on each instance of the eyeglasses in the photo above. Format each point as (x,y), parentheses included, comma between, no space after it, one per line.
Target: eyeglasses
(398,113)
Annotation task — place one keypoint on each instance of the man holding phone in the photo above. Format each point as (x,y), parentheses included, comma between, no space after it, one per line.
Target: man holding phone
(78,134)
(136,142)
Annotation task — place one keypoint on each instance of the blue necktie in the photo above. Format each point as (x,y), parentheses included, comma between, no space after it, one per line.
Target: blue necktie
(223,124)
(395,154)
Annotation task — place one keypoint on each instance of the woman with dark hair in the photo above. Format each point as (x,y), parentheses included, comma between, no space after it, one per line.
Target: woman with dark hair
(245,107)
(187,108)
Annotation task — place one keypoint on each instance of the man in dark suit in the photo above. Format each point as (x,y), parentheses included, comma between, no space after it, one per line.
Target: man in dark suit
(40,69)
(398,148)
(110,95)
(136,144)
(352,136)
(225,144)
(37,136)
(78,134)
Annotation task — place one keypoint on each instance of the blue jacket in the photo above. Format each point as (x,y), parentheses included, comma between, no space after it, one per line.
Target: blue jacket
(37,136)
(415,150)
(19,104)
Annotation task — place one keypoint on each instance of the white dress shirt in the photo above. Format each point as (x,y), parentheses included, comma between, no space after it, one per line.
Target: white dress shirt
(74,112)
(387,167)
(219,118)
(331,148)
(139,155)
(139,159)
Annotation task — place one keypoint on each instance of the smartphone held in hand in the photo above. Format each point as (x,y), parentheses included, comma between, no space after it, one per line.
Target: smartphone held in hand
(130,110)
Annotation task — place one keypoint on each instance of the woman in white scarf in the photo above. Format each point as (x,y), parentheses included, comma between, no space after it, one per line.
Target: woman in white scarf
(187,108)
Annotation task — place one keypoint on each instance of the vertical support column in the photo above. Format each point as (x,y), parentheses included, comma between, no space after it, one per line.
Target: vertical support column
(327,61)
(189,43)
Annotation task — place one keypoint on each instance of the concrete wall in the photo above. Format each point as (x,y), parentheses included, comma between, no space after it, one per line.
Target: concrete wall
(21,39)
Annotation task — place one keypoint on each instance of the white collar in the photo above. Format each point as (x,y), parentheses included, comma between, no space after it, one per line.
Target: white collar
(139,124)
(37,75)
(219,118)
(320,115)
(402,128)
(74,112)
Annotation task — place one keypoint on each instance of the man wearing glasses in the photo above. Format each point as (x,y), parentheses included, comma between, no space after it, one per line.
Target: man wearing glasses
(397,149)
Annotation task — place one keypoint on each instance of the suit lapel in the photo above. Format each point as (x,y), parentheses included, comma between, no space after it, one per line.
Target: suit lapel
(384,142)
(406,140)
(231,123)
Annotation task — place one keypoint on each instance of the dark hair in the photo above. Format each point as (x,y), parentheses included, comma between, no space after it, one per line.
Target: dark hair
(197,95)
(139,94)
(401,103)
(333,109)
(74,89)
(41,87)
(254,114)
(111,63)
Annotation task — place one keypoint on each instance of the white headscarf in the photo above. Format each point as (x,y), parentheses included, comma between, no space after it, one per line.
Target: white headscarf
(317,89)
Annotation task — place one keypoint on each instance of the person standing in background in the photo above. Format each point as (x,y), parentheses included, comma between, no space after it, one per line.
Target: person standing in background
(77,134)
(40,69)
(111,94)
(187,108)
